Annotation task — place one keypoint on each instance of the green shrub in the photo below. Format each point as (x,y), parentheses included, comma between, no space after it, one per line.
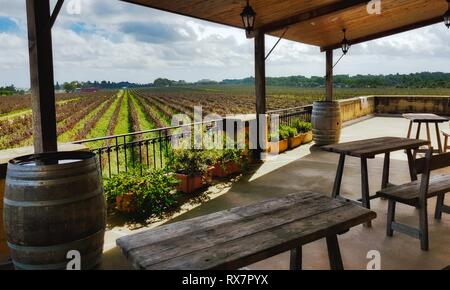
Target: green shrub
(189,161)
(152,192)
(302,126)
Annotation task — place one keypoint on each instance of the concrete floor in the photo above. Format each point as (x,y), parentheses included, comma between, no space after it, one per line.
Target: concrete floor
(308,168)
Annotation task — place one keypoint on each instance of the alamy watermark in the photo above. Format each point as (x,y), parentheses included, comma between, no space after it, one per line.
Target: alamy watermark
(374,7)
(74,7)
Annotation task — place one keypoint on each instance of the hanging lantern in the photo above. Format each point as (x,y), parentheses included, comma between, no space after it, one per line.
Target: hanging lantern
(248,16)
(345,44)
(447,16)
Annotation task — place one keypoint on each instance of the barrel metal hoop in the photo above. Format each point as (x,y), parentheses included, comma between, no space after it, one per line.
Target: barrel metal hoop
(67,246)
(86,196)
(93,259)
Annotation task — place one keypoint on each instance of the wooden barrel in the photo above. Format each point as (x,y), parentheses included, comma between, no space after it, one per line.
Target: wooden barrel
(54,204)
(326,122)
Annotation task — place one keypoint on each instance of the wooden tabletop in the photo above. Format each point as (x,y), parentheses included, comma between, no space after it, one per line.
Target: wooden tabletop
(425,118)
(235,238)
(369,148)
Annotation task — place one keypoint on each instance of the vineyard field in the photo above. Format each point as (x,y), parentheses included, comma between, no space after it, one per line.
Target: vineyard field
(106,113)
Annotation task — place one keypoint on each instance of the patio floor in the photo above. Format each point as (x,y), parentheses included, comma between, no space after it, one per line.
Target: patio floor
(310,169)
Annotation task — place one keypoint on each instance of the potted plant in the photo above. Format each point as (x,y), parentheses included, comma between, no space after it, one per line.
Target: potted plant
(279,142)
(190,167)
(142,195)
(305,129)
(228,162)
(295,139)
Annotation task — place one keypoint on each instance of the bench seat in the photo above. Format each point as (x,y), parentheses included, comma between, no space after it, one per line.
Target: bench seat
(409,193)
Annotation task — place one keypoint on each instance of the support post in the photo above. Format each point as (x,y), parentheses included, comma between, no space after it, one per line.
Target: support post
(41,74)
(329,75)
(260,88)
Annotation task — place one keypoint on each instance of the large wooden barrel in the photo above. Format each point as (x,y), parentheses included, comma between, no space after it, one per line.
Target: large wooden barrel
(326,122)
(54,204)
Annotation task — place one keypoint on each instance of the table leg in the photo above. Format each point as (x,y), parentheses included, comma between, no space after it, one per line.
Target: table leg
(365,186)
(386,170)
(411,165)
(428,134)
(334,253)
(338,180)
(296,259)
(419,125)
(438,137)
(410,129)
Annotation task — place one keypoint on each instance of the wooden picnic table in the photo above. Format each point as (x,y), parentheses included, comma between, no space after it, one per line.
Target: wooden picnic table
(427,119)
(368,149)
(241,236)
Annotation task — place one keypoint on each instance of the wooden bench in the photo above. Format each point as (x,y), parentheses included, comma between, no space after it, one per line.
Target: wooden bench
(241,236)
(416,193)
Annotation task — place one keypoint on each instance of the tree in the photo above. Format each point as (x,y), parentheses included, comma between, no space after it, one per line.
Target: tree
(70,87)
(160,82)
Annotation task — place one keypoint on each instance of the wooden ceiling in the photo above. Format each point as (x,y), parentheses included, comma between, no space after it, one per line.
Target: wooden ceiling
(314,22)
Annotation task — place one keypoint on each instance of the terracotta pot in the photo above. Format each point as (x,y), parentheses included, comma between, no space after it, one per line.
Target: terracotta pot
(229,168)
(296,141)
(126,203)
(282,145)
(308,137)
(189,183)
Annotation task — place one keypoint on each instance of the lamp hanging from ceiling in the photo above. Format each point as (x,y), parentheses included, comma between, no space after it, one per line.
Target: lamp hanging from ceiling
(248,16)
(345,44)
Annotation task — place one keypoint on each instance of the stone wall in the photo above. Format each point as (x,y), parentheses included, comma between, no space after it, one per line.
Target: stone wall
(412,104)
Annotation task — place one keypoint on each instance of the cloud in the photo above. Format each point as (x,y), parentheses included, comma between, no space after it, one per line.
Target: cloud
(114,40)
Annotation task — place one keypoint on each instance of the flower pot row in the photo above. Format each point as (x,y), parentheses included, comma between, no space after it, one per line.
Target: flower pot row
(290,143)
(192,183)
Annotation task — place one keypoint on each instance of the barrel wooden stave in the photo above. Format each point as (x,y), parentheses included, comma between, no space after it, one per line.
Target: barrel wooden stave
(52,209)
(326,123)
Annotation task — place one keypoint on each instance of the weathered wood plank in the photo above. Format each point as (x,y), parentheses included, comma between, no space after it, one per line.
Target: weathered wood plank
(371,147)
(264,244)
(236,237)
(214,220)
(41,73)
(428,118)
(409,193)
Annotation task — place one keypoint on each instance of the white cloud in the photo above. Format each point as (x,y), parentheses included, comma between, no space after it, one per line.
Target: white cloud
(115,41)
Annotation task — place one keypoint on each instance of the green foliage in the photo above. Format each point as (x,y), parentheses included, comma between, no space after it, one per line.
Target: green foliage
(189,161)
(152,191)
(283,134)
(302,126)
(71,87)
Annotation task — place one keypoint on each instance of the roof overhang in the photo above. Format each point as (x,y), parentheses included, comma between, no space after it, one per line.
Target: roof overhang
(318,22)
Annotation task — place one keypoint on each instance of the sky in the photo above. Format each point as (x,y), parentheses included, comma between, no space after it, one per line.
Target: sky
(116,41)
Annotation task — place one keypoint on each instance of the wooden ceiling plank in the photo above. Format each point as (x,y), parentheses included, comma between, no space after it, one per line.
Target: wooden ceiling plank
(388,33)
(305,16)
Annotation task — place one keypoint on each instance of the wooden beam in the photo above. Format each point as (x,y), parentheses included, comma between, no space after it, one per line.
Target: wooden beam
(260,83)
(55,12)
(41,74)
(305,16)
(388,32)
(329,75)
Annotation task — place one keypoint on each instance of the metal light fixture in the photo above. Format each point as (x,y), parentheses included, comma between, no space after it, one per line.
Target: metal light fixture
(345,44)
(447,16)
(248,16)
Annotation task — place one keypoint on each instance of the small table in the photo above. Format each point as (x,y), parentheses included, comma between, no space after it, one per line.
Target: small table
(241,236)
(427,119)
(368,149)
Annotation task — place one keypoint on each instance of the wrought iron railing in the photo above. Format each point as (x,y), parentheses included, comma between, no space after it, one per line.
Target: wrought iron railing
(289,115)
(150,148)
(137,150)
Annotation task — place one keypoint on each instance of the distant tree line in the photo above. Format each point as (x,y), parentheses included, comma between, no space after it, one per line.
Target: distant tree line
(415,80)
(10,90)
